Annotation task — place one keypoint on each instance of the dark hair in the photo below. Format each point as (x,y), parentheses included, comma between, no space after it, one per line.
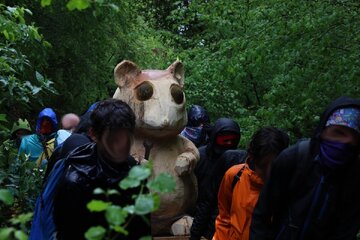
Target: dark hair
(267,141)
(84,124)
(112,114)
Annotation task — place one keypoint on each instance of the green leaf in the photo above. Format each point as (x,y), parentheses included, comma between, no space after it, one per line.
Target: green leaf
(3,118)
(6,196)
(114,7)
(22,218)
(129,183)
(20,235)
(45,3)
(98,191)
(163,183)
(156,198)
(6,34)
(121,230)
(144,204)
(97,205)
(39,77)
(113,192)
(130,209)
(95,233)
(35,90)
(78,4)
(115,215)
(139,172)
(6,232)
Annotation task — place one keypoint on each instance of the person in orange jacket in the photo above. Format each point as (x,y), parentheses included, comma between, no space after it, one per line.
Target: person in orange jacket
(241,184)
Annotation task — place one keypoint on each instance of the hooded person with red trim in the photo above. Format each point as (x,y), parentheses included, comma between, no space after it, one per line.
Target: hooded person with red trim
(224,136)
(313,188)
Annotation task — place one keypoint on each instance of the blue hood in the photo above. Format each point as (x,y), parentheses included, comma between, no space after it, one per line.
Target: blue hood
(197,115)
(92,107)
(47,113)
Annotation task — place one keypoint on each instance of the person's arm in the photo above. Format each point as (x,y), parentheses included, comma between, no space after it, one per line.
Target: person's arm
(71,216)
(222,224)
(203,210)
(272,200)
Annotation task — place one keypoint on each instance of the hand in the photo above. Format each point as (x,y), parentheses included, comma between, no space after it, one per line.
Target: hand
(185,164)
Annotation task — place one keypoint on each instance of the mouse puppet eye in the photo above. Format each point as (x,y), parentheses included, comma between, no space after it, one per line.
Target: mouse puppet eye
(177,94)
(144,91)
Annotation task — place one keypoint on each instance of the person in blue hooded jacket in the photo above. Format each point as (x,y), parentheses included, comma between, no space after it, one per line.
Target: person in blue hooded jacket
(39,146)
(197,127)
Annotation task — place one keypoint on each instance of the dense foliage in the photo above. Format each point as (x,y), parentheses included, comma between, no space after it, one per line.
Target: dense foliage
(270,62)
(274,62)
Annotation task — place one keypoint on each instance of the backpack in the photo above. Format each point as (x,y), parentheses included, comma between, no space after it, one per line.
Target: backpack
(43,226)
(292,228)
(302,153)
(237,178)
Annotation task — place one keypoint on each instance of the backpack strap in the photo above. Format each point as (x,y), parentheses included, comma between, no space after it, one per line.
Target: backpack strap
(303,150)
(237,177)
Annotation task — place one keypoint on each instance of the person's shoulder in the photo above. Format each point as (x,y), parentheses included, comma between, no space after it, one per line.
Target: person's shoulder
(232,171)
(233,157)
(81,160)
(30,141)
(87,150)
(202,151)
(62,135)
(30,138)
(234,153)
(292,156)
(202,148)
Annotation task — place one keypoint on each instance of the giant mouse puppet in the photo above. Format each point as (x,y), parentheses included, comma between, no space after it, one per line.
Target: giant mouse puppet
(158,100)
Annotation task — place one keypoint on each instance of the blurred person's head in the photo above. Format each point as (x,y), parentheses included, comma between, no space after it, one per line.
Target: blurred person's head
(112,127)
(20,129)
(70,121)
(264,147)
(47,122)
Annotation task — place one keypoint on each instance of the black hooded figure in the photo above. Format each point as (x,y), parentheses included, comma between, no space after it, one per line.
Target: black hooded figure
(224,136)
(313,188)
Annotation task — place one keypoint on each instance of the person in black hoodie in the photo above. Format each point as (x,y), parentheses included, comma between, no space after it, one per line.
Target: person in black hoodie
(224,136)
(100,164)
(313,188)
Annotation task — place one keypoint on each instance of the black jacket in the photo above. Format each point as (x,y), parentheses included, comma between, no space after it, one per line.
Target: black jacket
(304,200)
(210,153)
(75,140)
(209,172)
(87,171)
